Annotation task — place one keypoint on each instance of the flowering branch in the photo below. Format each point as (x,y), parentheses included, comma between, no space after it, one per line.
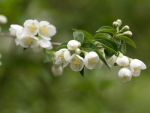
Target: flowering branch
(107,46)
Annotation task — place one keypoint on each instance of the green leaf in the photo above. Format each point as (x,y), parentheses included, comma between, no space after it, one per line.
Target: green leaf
(123,48)
(109,45)
(25,49)
(102,58)
(87,35)
(127,40)
(102,35)
(79,36)
(63,45)
(47,57)
(82,72)
(88,45)
(107,29)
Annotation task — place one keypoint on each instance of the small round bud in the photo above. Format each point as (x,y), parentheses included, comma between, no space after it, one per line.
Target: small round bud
(73,45)
(129,33)
(125,28)
(57,70)
(3,19)
(115,24)
(78,51)
(119,22)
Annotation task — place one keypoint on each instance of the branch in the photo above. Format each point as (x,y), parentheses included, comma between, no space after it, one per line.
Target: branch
(9,35)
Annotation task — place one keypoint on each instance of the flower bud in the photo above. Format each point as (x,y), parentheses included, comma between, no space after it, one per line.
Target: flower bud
(3,19)
(115,24)
(119,22)
(57,70)
(128,33)
(125,28)
(124,74)
(78,51)
(122,61)
(73,44)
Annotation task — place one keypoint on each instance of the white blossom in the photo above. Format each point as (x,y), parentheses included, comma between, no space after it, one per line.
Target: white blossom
(73,44)
(62,57)
(91,59)
(136,66)
(46,30)
(122,61)
(124,74)
(27,41)
(3,19)
(42,43)
(76,62)
(14,29)
(111,60)
(57,70)
(31,27)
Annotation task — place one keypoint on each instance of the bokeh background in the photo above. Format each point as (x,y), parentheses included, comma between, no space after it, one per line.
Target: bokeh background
(27,84)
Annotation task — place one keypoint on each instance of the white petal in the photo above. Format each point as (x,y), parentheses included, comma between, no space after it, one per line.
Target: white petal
(65,64)
(136,73)
(124,74)
(44,43)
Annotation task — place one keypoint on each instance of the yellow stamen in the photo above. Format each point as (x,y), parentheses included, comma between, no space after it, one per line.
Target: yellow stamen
(28,40)
(32,28)
(124,77)
(76,61)
(44,30)
(137,68)
(61,56)
(91,60)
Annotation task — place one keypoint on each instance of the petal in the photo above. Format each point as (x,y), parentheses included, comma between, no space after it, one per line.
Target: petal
(136,73)
(44,43)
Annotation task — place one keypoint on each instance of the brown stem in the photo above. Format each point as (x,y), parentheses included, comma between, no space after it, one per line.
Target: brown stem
(9,35)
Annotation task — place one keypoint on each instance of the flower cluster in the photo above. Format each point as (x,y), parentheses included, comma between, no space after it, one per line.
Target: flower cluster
(129,67)
(34,34)
(72,55)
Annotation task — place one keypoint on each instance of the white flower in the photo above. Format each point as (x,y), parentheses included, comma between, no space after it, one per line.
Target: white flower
(14,29)
(136,66)
(111,60)
(76,63)
(57,70)
(124,74)
(3,19)
(42,44)
(91,59)
(31,27)
(27,41)
(73,44)
(62,57)
(122,61)
(46,30)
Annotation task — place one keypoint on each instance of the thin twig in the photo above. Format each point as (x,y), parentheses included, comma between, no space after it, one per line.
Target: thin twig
(9,35)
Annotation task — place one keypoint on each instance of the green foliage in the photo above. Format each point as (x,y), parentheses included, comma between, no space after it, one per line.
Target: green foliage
(127,40)
(79,36)
(107,29)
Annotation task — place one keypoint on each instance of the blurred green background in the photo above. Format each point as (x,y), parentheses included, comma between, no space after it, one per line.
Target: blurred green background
(26,83)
